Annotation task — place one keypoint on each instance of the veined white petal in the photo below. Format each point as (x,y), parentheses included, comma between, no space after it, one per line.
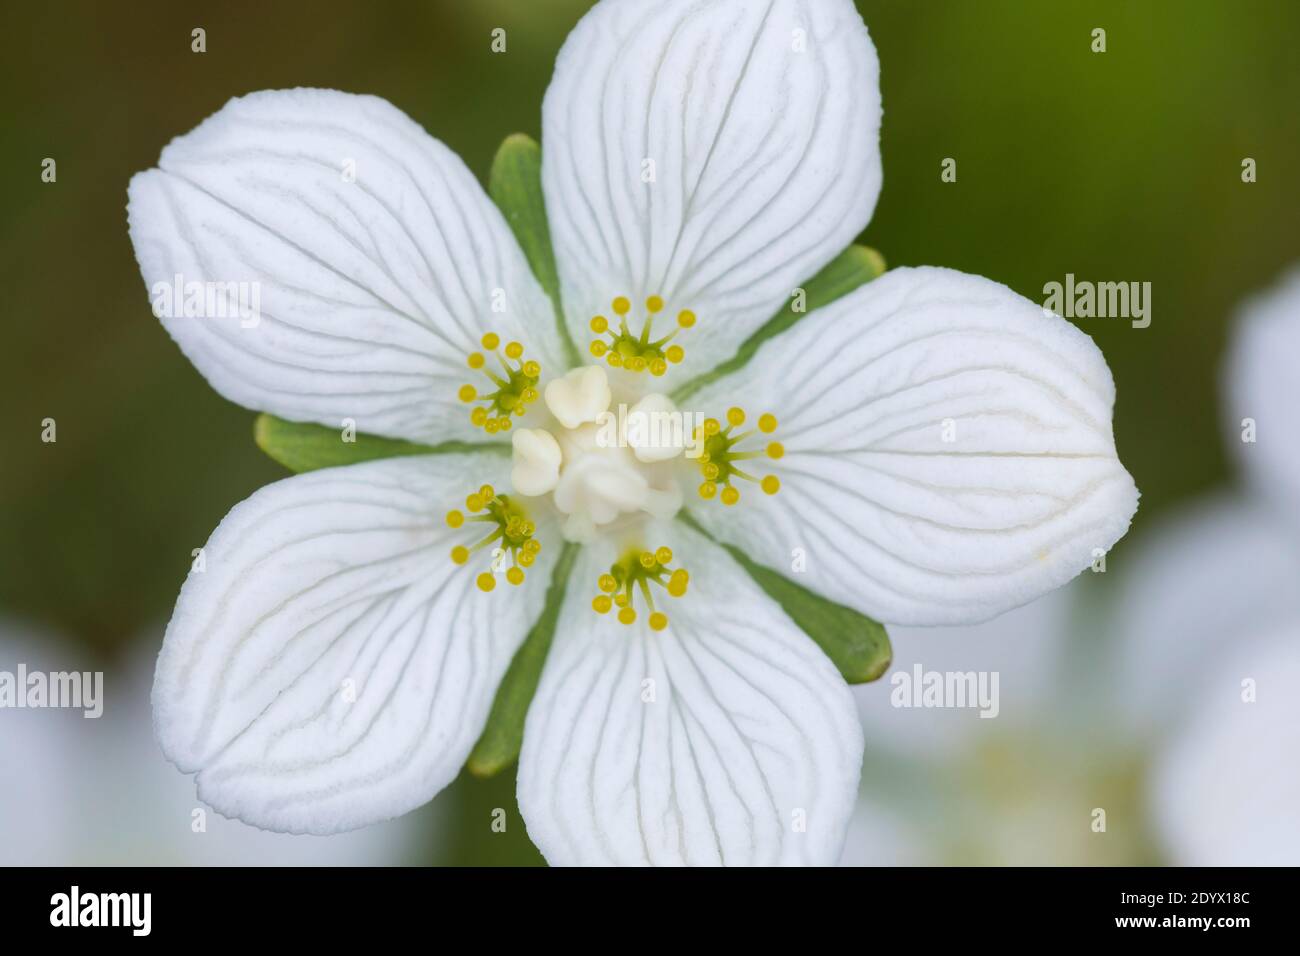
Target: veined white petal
(713,152)
(374,259)
(948,450)
(1227,789)
(728,738)
(1263,385)
(1220,569)
(330,666)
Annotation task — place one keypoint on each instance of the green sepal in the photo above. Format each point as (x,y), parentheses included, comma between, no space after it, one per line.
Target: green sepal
(855,266)
(305,447)
(515,185)
(503,736)
(856,644)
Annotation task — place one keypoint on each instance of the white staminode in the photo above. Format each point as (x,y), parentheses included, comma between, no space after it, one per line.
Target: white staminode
(580,396)
(537,458)
(596,480)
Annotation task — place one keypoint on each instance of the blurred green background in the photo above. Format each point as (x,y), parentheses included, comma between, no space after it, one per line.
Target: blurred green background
(1122,166)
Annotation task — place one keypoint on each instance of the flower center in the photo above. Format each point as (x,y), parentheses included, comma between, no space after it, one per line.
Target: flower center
(720,453)
(634,573)
(515,387)
(600,471)
(637,351)
(517,548)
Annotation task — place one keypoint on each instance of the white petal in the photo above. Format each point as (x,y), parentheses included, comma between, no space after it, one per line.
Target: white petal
(331,667)
(1226,791)
(766,159)
(749,730)
(894,519)
(371,292)
(1263,384)
(1202,579)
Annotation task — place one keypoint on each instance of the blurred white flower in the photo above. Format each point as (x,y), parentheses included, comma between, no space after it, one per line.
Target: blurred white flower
(81,791)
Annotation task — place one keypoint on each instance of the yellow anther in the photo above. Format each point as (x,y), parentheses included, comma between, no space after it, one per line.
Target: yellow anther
(637,573)
(637,350)
(514,386)
(686,318)
(510,535)
(721,456)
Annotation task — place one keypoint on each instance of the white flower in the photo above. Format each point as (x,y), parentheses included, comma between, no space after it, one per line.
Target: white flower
(936,448)
(91,792)
(1221,589)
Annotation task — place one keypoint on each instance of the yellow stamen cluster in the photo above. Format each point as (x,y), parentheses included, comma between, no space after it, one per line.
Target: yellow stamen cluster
(718,456)
(636,571)
(637,352)
(517,548)
(516,386)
